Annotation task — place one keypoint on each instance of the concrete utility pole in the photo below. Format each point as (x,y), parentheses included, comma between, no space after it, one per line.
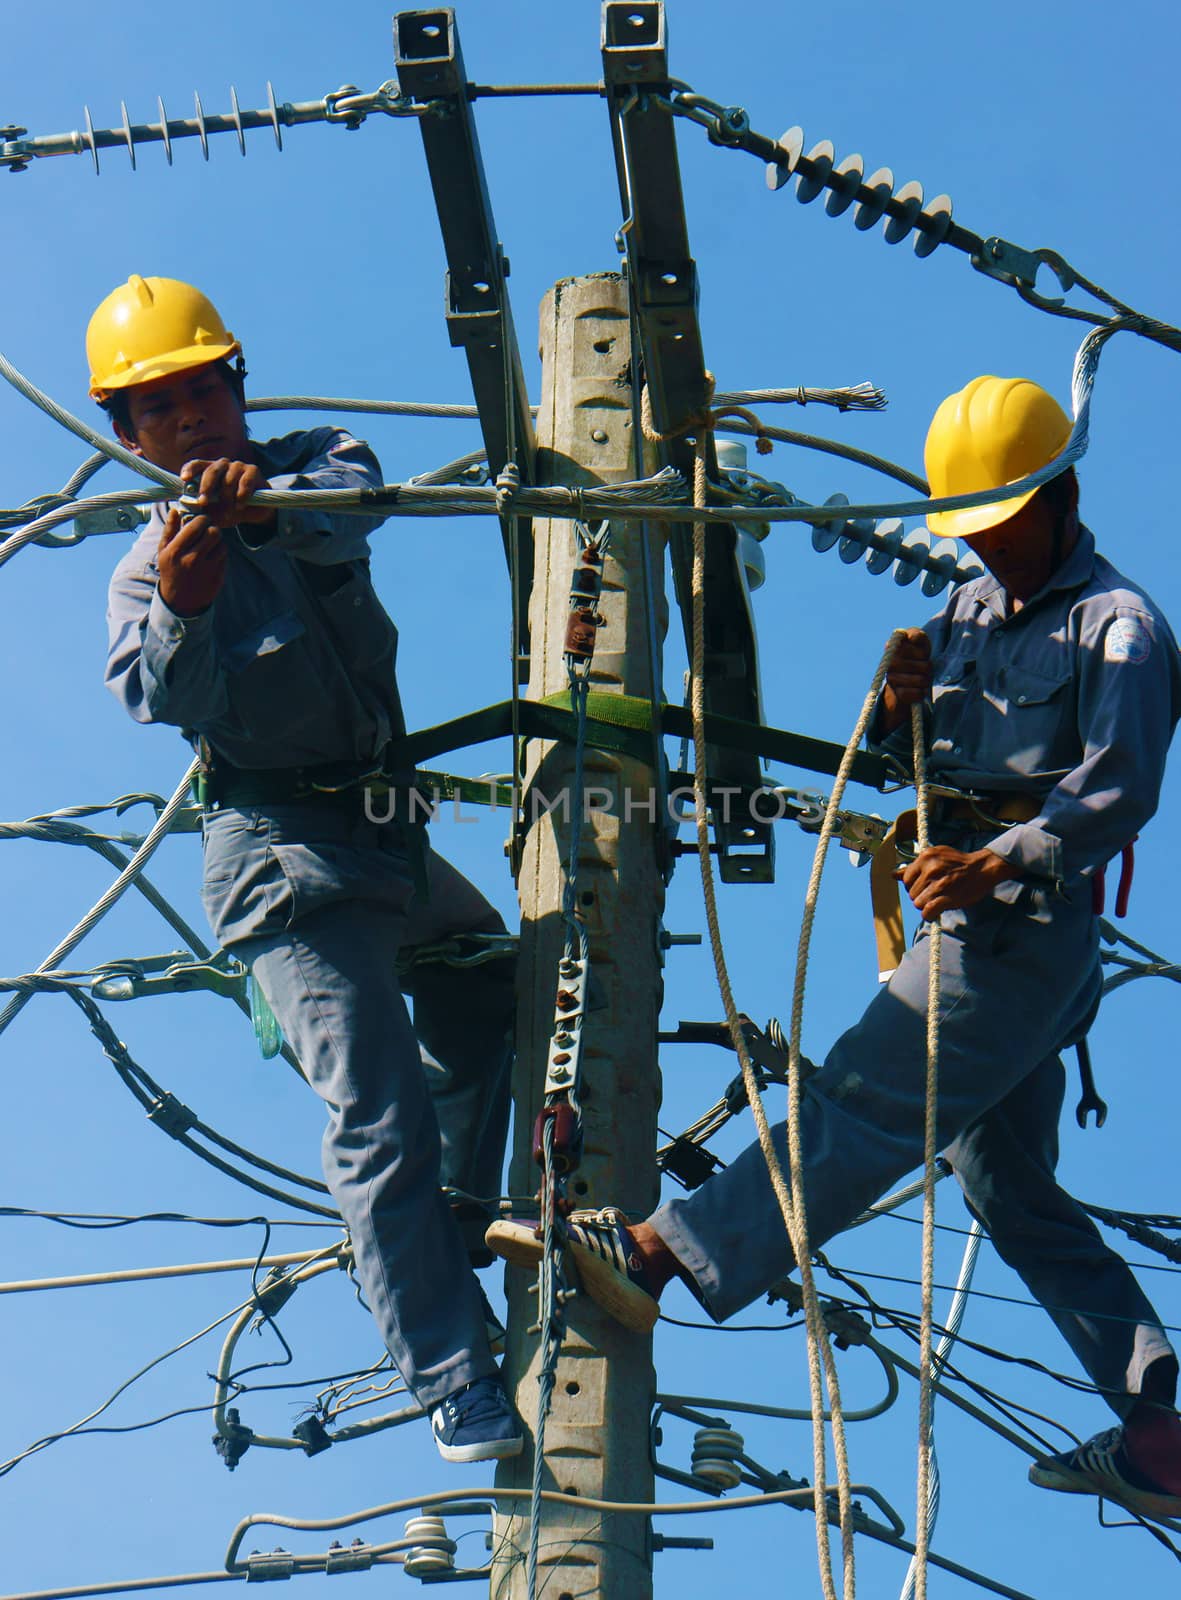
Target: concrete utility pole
(596,1438)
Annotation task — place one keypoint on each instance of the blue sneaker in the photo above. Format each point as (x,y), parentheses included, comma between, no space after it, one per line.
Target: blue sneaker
(1102,1466)
(477,1423)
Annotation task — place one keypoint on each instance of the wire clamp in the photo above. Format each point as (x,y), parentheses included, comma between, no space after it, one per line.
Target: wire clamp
(264,1566)
(565,1045)
(171,1114)
(231,1441)
(356,1557)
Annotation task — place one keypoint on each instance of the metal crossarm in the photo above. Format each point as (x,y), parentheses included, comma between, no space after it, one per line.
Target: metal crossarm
(663,279)
(479,319)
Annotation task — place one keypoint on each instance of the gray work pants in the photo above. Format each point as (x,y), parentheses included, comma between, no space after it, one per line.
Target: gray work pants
(1019,982)
(318,901)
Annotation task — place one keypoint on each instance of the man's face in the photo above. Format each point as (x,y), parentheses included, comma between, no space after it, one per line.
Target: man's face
(1020,551)
(187,416)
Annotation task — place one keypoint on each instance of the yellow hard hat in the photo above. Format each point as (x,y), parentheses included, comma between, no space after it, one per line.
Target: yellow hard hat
(992,432)
(150,327)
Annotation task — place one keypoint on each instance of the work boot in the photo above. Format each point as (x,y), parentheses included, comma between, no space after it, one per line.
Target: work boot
(602,1252)
(1107,1466)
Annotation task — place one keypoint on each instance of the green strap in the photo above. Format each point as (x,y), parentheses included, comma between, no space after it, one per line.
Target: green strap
(622,723)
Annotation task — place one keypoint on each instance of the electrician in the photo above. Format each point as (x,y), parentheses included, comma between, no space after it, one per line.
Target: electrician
(261,635)
(1050,688)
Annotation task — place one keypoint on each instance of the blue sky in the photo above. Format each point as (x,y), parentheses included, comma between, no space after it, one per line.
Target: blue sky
(326,261)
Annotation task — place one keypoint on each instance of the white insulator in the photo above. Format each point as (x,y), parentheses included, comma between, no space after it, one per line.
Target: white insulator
(715,1457)
(754,562)
(945,554)
(915,548)
(880,556)
(425,1561)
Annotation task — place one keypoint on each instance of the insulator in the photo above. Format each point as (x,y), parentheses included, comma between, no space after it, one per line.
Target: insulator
(855,536)
(881,188)
(164,133)
(810,184)
(202,128)
(237,116)
(425,1562)
(715,1457)
(884,545)
(791,147)
(945,557)
(826,534)
(126,130)
(754,562)
(585,585)
(846,180)
(846,183)
(938,215)
(917,546)
(895,229)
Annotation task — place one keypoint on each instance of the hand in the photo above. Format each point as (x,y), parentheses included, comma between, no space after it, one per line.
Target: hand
(224,489)
(908,678)
(942,879)
(192,562)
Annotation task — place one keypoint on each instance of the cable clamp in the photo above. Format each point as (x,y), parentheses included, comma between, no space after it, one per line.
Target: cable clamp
(274,1292)
(171,1114)
(263,1566)
(508,483)
(356,1557)
(231,1441)
(565,1045)
(567,1143)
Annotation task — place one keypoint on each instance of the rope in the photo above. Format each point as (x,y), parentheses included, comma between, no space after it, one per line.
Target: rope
(934,959)
(122,883)
(803,1255)
(955,1317)
(789,1205)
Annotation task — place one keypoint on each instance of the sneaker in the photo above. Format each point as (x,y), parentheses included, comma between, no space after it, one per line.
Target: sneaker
(604,1256)
(493,1327)
(1102,1467)
(477,1423)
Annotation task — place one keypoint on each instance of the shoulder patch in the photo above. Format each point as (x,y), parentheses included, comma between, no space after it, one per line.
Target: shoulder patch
(1127,640)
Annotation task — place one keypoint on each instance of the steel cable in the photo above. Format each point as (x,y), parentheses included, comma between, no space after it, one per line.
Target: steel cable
(159,830)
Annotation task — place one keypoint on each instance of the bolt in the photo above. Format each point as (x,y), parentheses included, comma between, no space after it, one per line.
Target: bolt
(599,435)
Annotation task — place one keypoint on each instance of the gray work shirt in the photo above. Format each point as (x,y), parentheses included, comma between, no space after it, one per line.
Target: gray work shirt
(293,663)
(1071,699)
